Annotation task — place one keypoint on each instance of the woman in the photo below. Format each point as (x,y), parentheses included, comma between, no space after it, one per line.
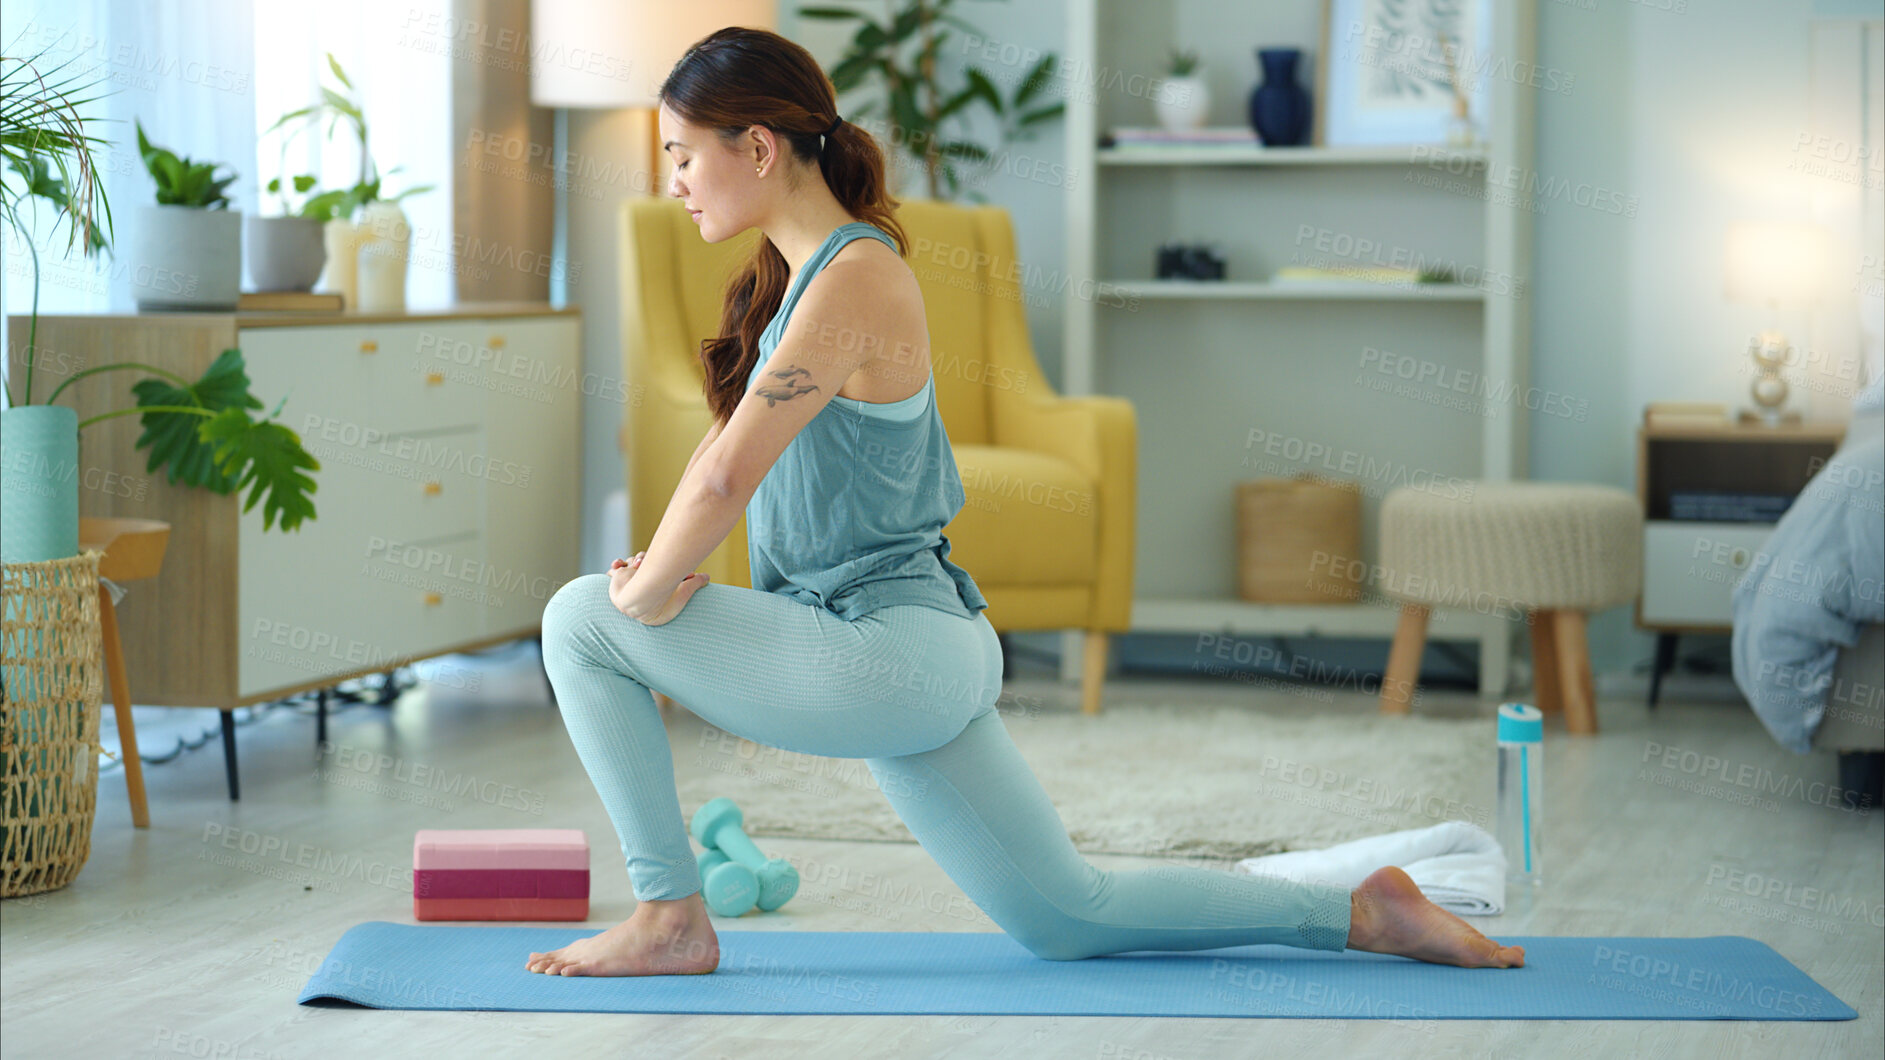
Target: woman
(860,639)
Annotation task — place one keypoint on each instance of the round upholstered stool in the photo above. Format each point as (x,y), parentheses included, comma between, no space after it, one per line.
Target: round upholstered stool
(1552,551)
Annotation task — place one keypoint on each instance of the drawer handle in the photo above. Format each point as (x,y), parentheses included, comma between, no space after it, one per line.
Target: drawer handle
(433,489)
(434,378)
(433,599)
(1738,559)
(497,342)
(369,346)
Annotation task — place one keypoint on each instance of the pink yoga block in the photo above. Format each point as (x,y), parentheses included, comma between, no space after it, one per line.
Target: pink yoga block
(500,848)
(500,874)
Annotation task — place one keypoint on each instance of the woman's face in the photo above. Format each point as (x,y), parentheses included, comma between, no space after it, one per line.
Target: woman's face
(715,183)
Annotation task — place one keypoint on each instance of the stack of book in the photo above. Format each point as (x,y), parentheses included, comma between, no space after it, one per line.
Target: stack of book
(1719,506)
(1130,136)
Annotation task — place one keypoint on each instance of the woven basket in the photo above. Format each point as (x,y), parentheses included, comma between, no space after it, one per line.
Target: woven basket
(50,655)
(1298,540)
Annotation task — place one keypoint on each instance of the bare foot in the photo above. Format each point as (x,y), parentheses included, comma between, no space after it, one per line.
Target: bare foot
(1390,915)
(666,938)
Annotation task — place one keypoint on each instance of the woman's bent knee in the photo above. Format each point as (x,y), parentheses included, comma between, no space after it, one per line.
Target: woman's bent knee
(573,604)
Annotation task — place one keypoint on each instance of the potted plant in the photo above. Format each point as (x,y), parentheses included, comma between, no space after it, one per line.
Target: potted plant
(186,251)
(382,236)
(287,252)
(919,104)
(1184,99)
(199,432)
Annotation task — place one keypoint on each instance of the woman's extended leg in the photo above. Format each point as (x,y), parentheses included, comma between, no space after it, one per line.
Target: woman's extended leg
(980,812)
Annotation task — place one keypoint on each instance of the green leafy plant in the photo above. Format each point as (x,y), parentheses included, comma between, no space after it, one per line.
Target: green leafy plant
(919,106)
(181,181)
(200,430)
(43,134)
(336,106)
(1183,63)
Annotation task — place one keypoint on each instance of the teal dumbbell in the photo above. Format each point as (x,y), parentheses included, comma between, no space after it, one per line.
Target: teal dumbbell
(728,888)
(716,826)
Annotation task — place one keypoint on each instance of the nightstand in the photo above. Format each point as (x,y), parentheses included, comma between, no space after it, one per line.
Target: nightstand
(1711,493)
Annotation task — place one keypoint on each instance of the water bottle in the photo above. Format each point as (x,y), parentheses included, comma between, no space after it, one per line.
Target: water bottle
(1520,797)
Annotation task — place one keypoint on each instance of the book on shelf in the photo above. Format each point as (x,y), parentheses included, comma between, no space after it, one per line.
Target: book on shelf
(1145,136)
(291,301)
(1354,274)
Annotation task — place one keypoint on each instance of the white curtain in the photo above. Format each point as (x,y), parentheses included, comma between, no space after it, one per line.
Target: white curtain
(205,77)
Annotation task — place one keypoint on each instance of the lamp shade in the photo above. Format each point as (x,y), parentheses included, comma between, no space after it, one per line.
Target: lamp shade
(1776,264)
(616,53)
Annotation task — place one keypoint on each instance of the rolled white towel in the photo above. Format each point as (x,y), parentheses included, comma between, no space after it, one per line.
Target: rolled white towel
(1456,864)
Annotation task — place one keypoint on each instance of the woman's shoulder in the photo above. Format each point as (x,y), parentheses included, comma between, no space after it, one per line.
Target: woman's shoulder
(872,277)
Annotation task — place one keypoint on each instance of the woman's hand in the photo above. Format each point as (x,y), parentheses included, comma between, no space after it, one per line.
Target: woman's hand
(622,572)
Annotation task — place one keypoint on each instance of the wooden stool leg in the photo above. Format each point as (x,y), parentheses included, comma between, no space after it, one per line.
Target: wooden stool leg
(121,705)
(1093,671)
(1403,673)
(1580,709)
(1546,683)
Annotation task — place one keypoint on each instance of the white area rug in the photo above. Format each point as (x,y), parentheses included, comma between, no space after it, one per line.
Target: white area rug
(1152,780)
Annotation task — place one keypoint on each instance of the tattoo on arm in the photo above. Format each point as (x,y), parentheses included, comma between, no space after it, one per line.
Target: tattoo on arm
(794,381)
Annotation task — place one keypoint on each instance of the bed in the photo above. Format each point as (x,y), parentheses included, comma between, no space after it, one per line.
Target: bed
(1809,617)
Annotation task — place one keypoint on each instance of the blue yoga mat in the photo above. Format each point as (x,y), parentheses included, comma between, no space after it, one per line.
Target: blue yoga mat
(386,965)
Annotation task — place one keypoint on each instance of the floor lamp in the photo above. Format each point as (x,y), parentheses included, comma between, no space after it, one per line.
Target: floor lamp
(605,54)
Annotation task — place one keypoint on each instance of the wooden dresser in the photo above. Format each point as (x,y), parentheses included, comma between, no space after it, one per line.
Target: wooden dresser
(447,507)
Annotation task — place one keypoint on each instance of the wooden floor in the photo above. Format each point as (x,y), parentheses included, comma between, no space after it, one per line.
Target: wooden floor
(171,943)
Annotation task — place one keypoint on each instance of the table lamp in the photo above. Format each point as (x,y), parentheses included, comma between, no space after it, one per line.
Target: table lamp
(603,54)
(1780,266)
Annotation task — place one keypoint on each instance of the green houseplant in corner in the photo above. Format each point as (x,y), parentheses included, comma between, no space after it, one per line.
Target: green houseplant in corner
(199,432)
(919,105)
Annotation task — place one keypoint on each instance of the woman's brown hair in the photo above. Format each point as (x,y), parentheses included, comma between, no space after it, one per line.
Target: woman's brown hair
(738,77)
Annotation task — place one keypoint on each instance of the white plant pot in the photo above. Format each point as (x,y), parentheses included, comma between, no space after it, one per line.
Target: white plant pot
(341,276)
(283,253)
(1182,103)
(185,257)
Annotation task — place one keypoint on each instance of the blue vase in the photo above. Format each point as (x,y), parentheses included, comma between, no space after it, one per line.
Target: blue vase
(1279,108)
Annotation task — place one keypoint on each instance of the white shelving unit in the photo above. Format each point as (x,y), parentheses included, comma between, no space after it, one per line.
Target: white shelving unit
(1213,365)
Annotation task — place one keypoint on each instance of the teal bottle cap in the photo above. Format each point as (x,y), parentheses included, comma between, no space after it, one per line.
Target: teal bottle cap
(1521,723)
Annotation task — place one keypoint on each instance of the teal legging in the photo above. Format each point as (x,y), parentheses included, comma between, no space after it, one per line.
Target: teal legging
(911,690)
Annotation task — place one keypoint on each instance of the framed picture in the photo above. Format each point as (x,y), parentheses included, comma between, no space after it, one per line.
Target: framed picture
(1392,70)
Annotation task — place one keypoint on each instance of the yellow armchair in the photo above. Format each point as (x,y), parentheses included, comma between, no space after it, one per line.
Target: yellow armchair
(1051,482)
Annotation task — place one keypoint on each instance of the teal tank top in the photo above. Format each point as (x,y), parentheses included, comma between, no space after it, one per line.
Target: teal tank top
(850,517)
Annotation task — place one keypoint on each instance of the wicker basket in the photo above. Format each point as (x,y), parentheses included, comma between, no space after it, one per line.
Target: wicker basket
(1299,540)
(50,655)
